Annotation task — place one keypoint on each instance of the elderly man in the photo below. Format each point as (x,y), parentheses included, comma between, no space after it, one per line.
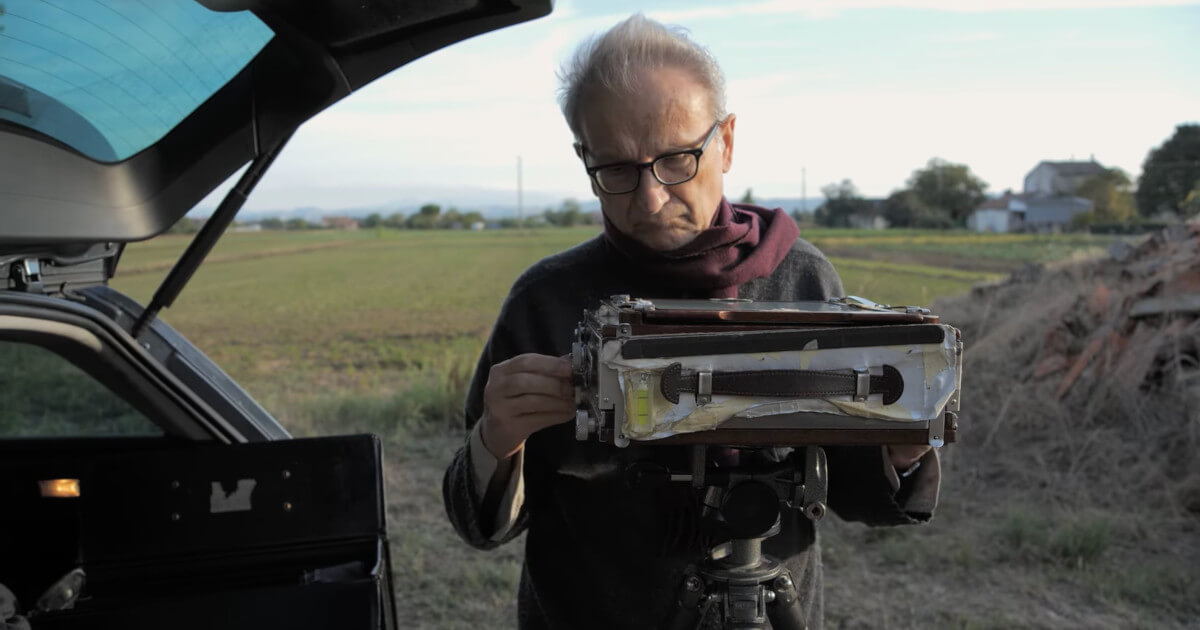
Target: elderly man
(647,109)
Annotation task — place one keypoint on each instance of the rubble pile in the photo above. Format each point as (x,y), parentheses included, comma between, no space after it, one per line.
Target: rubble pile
(1087,370)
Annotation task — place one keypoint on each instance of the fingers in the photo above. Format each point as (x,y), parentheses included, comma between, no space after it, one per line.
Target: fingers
(537,364)
(508,385)
(523,395)
(516,408)
(530,374)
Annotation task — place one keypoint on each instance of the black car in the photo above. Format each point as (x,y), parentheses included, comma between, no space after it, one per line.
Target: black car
(140,487)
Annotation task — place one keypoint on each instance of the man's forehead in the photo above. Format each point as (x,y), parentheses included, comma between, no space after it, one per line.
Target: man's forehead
(629,142)
(665,114)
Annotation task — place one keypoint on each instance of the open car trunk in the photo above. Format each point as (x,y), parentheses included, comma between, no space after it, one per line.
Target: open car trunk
(140,487)
(159,533)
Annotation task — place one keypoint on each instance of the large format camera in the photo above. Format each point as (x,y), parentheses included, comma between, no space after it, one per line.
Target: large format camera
(744,373)
(723,374)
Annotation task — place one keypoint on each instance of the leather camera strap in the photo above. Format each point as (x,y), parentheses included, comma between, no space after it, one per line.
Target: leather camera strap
(783,383)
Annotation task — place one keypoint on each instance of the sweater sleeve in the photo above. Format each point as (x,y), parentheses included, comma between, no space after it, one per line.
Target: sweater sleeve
(500,482)
(484,498)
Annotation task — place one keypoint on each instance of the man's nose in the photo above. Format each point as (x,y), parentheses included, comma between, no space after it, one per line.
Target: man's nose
(652,194)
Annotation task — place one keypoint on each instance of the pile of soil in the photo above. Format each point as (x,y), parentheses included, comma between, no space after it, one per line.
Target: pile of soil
(1084,379)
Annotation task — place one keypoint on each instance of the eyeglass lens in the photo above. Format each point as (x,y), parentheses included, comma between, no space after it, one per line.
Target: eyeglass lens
(669,170)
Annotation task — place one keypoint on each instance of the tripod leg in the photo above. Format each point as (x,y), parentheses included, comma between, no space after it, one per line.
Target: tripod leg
(785,612)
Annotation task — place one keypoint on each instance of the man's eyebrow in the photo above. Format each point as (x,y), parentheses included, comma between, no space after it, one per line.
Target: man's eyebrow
(599,157)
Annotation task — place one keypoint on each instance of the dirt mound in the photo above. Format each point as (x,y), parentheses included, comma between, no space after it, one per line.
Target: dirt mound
(1089,371)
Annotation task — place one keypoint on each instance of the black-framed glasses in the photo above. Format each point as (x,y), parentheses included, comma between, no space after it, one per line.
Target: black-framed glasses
(669,169)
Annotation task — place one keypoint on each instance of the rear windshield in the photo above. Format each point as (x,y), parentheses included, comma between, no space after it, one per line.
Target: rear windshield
(111,77)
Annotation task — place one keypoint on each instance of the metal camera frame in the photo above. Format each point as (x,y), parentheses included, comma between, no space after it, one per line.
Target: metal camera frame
(626,323)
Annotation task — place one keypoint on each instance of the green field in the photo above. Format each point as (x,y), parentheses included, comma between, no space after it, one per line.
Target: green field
(339,332)
(298,315)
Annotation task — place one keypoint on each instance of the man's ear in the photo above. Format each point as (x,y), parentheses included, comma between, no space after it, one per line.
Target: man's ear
(727,143)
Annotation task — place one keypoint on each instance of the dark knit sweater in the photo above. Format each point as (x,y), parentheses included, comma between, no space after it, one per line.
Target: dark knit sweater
(602,554)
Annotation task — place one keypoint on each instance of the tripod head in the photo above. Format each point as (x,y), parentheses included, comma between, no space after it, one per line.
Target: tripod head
(735,579)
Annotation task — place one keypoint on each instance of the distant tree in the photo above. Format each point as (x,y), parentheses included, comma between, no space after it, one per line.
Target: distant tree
(567,215)
(373,220)
(1111,193)
(426,217)
(395,220)
(842,201)
(183,225)
(510,222)
(803,217)
(1170,173)
(271,224)
(748,196)
(472,217)
(904,208)
(450,220)
(1190,208)
(297,224)
(949,188)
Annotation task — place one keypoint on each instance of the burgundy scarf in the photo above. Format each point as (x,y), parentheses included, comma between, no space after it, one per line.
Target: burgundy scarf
(744,242)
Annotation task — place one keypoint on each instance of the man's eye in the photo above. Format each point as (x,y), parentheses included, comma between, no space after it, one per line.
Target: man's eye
(620,169)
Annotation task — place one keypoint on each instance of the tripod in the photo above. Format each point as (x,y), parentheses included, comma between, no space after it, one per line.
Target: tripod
(737,581)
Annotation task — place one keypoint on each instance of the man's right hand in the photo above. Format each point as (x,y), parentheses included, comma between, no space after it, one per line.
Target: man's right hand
(524,395)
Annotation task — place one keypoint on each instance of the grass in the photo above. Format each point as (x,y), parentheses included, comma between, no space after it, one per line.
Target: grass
(994,253)
(46,396)
(291,314)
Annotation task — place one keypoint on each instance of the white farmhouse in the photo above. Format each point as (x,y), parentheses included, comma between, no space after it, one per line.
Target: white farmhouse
(1005,214)
(1060,178)
(1027,213)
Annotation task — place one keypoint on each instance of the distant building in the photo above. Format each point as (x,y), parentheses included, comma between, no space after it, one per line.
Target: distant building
(872,218)
(868,222)
(339,223)
(478,225)
(1053,213)
(1005,214)
(1035,212)
(246,227)
(1060,178)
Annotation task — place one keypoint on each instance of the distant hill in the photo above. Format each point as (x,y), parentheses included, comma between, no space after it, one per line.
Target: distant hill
(485,204)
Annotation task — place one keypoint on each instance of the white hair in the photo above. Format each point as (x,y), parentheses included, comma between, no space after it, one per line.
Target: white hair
(612,61)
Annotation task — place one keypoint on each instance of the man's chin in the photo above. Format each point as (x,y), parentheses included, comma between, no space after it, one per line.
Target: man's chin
(665,240)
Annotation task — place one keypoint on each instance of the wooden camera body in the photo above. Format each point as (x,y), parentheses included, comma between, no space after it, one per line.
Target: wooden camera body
(755,373)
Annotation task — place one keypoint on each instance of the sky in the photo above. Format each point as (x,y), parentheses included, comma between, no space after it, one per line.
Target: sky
(866,90)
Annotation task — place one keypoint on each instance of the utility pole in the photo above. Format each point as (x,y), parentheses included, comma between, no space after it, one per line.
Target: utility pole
(804,189)
(520,208)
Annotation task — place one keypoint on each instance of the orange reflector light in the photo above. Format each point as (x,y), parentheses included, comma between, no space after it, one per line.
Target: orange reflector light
(59,488)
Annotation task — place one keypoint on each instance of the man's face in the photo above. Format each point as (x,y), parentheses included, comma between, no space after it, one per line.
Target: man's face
(670,111)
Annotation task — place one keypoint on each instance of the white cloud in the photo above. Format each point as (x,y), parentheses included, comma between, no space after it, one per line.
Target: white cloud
(878,139)
(460,118)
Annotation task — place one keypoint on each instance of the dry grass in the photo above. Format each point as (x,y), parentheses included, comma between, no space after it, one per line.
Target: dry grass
(1079,510)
